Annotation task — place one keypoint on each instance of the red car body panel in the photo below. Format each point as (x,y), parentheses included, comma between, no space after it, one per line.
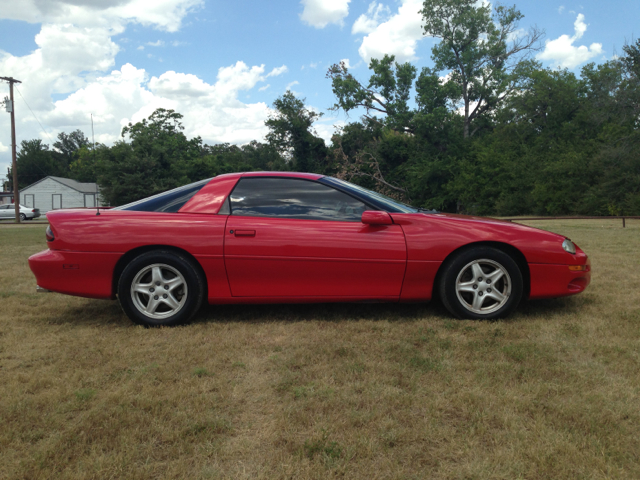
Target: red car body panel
(267,259)
(84,274)
(211,197)
(313,258)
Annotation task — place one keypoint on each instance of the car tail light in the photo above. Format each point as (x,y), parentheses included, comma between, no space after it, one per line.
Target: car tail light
(49,234)
(33,211)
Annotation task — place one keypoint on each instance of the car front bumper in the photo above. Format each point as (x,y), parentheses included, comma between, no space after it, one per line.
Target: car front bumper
(551,281)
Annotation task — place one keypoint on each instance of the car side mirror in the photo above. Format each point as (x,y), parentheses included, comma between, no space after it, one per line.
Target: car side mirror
(376,217)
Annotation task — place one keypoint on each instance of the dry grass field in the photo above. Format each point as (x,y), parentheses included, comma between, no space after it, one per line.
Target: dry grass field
(325,391)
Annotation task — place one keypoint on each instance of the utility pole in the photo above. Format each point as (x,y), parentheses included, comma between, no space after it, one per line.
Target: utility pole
(11,109)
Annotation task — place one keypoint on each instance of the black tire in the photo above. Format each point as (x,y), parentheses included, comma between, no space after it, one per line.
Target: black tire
(23,217)
(180,289)
(494,296)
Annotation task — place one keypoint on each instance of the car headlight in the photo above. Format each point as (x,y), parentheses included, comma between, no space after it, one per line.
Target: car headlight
(569,246)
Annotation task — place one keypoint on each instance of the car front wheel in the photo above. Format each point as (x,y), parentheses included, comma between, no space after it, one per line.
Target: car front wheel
(23,217)
(161,288)
(481,283)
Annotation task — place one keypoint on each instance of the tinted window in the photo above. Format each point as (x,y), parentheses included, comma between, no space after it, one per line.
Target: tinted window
(170,201)
(293,198)
(379,200)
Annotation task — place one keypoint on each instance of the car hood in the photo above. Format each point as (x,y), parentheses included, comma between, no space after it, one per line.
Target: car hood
(494,222)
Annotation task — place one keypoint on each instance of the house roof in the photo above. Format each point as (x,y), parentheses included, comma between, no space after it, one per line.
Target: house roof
(67,182)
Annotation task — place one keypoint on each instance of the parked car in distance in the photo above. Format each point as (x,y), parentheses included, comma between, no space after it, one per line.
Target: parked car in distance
(281,237)
(26,213)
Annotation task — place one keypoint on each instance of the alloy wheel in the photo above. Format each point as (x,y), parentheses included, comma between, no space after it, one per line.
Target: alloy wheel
(483,286)
(159,291)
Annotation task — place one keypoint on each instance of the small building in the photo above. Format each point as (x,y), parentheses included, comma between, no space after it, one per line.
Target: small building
(53,193)
(6,197)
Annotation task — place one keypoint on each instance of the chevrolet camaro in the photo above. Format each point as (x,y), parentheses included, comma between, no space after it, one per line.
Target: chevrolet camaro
(275,237)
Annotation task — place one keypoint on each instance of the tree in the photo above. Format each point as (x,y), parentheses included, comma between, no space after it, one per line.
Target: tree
(290,133)
(68,146)
(161,137)
(34,162)
(613,114)
(388,91)
(482,53)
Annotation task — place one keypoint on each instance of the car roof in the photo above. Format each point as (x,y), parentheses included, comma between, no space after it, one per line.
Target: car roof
(308,176)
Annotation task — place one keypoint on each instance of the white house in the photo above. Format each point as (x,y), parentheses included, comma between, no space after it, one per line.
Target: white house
(52,193)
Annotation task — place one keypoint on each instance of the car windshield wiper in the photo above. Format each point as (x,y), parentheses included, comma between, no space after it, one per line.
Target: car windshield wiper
(425,210)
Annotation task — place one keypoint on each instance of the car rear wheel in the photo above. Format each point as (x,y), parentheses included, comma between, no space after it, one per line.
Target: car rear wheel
(481,283)
(161,288)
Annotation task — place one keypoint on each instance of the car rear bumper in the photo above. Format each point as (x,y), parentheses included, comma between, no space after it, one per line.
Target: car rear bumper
(85,274)
(551,281)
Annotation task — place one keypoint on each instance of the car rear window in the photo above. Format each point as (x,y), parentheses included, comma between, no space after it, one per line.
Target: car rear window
(167,202)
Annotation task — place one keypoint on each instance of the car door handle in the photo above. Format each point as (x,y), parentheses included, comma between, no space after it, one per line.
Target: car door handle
(245,233)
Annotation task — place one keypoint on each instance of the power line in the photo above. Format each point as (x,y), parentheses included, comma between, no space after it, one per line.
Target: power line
(34,116)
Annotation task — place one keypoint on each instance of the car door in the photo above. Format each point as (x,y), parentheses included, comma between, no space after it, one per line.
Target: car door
(5,212)
(290,237)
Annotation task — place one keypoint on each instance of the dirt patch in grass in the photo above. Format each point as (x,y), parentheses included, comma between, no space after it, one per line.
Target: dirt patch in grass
(324,391)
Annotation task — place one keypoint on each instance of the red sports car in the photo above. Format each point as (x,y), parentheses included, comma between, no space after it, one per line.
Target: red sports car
(272,237)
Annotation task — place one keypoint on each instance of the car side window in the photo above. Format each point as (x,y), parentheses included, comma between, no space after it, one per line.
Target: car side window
(293,198)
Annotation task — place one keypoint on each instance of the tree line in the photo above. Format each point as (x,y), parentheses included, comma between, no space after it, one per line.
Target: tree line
(487,130)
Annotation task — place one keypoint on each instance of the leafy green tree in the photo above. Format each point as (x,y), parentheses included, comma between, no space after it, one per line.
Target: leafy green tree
(482,52)
(290,133)
(156,158)
(34,161)
(124,177)
(161,138)
(68,146)
(613,110)
(387,92)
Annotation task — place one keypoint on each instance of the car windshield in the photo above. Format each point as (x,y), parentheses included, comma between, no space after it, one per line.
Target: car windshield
(167,202)
(379,200)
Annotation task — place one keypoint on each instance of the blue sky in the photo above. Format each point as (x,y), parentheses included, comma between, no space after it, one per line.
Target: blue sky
(222,64)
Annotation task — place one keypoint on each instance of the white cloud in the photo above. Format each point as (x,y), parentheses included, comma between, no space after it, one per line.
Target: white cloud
(163,14)
(397,36)
(320,13)
(278,71)
(346,62)
(289,85)
(66,59)
(211,111)
(562,53)
(262,89)
(158,43)
(561,9)
(368,22)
